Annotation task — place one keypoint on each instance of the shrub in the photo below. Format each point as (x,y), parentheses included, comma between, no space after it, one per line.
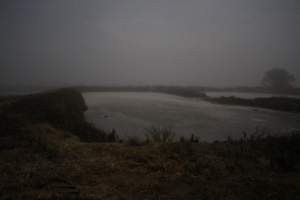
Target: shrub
(160,135)
(284,152)
(134,141)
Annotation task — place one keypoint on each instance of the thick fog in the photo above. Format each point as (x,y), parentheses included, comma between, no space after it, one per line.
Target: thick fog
(147,42)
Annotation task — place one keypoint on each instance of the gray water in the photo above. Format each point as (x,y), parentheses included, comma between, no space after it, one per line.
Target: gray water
(130,113)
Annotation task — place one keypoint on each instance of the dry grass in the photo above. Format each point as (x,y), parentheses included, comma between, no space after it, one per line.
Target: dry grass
(178,170)
(160,135)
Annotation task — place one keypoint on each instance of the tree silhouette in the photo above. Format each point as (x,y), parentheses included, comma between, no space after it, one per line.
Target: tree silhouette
(278,79)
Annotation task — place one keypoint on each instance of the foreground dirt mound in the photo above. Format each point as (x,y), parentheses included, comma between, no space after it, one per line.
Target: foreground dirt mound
(63,109)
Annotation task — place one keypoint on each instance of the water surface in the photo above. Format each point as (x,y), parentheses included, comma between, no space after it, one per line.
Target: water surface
(130,113)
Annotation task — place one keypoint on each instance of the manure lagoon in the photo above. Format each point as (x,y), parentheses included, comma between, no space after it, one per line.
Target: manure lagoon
(131,113)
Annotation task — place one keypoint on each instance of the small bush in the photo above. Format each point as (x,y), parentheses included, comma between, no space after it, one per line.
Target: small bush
(192,139)
(160,135)
(134,141)
(284,152)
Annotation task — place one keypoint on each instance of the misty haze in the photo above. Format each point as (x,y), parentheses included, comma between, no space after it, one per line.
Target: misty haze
(150,99)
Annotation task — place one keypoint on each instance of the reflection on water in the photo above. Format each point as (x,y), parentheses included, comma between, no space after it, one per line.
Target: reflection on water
(130,113)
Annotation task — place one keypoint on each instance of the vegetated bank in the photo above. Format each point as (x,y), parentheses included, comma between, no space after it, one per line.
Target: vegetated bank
(275,103)
(49,151)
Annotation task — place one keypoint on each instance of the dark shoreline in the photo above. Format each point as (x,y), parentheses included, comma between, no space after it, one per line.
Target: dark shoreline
(274,103)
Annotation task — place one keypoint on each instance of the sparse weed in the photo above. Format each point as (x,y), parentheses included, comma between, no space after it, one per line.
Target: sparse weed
(160,135)
(134,141)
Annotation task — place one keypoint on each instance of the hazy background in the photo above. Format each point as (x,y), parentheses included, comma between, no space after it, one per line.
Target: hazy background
(118,42)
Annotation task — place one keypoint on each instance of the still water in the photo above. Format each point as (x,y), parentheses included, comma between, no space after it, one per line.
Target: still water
(131,113)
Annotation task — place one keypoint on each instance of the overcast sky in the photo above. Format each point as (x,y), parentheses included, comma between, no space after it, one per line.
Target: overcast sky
(134,42)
